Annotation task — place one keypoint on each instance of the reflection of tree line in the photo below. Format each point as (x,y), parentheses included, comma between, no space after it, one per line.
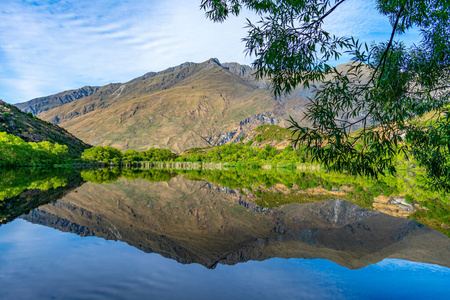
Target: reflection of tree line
(107,176)
(268,188)
(358,187)
(263,187)
(22,190)
(14,182)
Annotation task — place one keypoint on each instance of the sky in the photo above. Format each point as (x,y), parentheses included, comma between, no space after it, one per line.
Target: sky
(49,46)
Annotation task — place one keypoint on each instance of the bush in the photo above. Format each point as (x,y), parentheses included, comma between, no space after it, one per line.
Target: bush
(102,154)
(109,154)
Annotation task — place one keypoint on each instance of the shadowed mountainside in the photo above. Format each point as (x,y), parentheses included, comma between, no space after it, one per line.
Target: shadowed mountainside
(196,222)
(42,104)
(32,129)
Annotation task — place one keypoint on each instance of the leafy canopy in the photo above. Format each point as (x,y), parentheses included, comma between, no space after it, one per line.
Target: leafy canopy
(108,154)
(380,95)
(14,151)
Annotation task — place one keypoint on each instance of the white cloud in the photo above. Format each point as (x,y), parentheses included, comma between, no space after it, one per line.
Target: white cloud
(51,47)
(47,46)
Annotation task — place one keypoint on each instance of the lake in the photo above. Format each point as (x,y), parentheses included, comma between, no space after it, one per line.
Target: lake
(192,234)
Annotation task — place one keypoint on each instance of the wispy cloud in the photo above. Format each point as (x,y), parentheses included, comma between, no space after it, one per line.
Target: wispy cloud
(360,19)
(47,46)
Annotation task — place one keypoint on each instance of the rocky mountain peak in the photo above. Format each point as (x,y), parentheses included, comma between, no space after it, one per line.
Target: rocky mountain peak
(211,63)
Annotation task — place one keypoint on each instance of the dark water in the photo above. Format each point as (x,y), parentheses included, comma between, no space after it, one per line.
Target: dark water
(202,235)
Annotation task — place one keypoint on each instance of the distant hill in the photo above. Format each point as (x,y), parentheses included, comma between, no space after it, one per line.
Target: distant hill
(38,105)
(32,129)
(191,105)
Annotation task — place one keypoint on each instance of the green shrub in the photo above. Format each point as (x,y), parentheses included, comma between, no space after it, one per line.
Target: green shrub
(102,154)
(16,152)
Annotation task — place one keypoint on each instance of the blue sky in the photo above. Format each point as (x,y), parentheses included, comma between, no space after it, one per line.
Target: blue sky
(48,46)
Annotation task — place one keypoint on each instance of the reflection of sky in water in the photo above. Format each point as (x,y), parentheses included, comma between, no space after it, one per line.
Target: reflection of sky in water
(38,262)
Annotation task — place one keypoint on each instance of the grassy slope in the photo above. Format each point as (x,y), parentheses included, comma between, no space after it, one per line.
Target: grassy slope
(273,135)
(32,129)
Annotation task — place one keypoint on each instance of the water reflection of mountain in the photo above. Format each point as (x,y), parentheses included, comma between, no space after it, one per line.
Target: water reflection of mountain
(197,222)
(22,190)
(396,196)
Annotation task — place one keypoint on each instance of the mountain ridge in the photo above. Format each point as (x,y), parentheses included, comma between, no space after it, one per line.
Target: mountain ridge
(191,105)
(36,105)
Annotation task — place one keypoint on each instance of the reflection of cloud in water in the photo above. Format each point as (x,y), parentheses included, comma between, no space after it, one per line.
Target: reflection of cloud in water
(65,265)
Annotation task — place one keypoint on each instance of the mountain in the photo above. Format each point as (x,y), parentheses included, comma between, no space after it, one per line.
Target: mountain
(198,222)
(32,129)
(188,106)
(42,104)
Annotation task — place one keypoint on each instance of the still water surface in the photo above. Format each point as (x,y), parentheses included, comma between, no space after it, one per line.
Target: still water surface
(191,235)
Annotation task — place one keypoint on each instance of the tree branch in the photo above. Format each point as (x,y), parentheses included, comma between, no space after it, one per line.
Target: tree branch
(384,57)
(322,17)
(330,11)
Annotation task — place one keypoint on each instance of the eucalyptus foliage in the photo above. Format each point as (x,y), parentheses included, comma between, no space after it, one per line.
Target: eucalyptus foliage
(380,95)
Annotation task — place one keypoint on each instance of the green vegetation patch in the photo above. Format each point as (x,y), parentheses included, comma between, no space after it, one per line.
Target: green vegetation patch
(273,132)
(107,154)
(247,155)
(14,151)
(31,129)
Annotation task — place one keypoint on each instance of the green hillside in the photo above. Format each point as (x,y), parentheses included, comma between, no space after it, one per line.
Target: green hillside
(31,129)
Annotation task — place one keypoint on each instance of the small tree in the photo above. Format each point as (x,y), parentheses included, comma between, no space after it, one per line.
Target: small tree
(105,154)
